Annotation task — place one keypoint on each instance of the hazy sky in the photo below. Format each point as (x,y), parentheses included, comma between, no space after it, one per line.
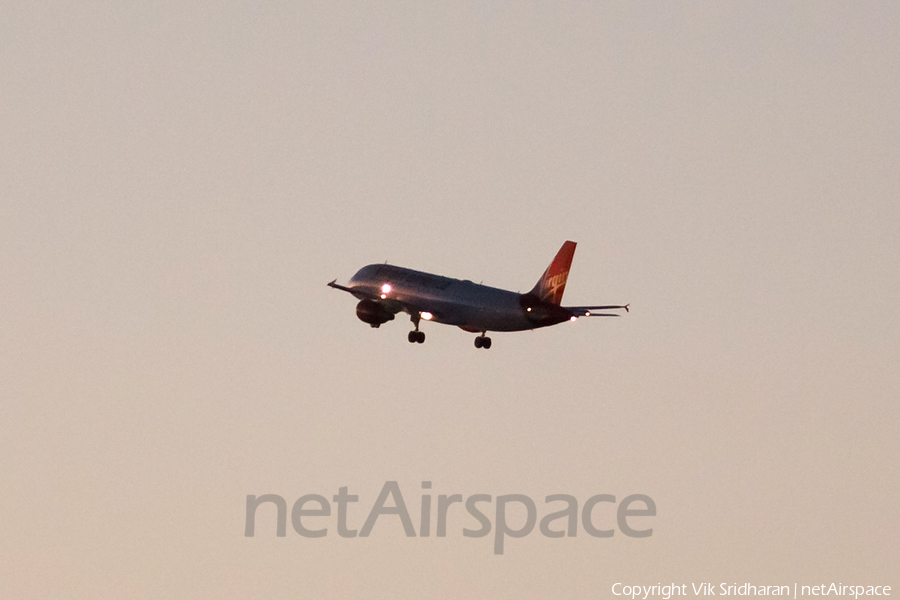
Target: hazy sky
(179,180)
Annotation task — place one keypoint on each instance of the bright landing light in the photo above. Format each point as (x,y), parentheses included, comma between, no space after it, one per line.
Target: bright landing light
(386,288)
(573,318)
(426,315)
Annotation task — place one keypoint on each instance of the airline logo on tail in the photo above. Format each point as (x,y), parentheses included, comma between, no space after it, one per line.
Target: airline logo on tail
(552,284)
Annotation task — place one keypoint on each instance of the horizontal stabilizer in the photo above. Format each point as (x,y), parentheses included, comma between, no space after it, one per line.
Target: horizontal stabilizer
(591,311)
(608,307)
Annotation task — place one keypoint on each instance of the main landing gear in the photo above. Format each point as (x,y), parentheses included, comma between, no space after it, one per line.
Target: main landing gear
(416,336)
(482,341)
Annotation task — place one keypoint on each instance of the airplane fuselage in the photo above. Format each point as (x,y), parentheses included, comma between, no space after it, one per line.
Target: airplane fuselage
(471,306)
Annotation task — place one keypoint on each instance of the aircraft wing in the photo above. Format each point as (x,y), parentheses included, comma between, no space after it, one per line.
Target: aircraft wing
(390,304)
(358,293)
(333,283)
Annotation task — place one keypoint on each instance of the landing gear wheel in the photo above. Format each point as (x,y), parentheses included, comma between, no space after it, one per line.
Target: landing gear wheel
(486,343)
(482,341)
(415,336)
(478,342)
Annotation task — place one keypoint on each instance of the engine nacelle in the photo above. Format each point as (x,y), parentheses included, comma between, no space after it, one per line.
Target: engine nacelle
(373,313)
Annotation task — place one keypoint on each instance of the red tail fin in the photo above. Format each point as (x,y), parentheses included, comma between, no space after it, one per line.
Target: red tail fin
(552,283)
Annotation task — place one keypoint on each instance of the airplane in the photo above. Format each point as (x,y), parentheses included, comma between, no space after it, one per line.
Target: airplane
(384,290)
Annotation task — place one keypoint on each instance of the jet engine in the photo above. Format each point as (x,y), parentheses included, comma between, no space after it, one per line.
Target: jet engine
(373,313)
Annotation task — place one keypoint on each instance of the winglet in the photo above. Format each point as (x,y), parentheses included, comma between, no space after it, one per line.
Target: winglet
(333,283)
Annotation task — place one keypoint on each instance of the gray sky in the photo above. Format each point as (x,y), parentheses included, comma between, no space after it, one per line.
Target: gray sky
(179,180)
